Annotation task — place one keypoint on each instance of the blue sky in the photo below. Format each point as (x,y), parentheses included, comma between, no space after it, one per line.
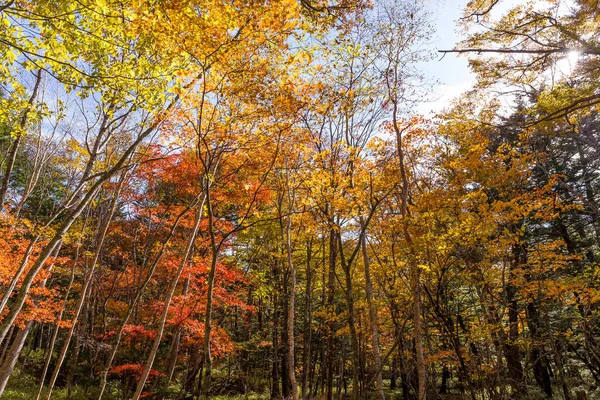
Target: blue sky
(451,73)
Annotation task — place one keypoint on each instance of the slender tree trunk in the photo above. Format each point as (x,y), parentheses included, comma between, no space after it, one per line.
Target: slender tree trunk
(331,310)
(13,355)
(25,332)
(537,356)
(48,359)
(133,305)
(275,387)
(511,349)
(321,378)
(306,350)
(283,353)
(12,154)
(207,326)
(172,358)
(418,332)
(57,327)
(291,368)
(214,249)
(559,360)
(72,368)
(404,378)
(23,293)
(414,268)
(372,316)
(512,353)
(171,292)
(6,344)
(39,163)
(194,361)
(286,231)
(86,287)
(74,323)
(346,267)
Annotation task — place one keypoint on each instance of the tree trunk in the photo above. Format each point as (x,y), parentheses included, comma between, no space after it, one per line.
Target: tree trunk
(372,317)
(214,251)
(559,359)
(537,356)
(57,327)
(13,354)
(291,306)
(86,286)
(170,293)
(511,350)
(74,324)
(6,344)
(351,319)
(275,388)
(172,358)
(12,154)
(69,219)
(418,332)
(133,305)
(414,268)
(74,361)
(282,351)
(306,350)
(330,311)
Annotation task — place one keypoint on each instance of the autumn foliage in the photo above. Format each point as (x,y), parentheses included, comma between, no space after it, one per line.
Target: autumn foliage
(208,198)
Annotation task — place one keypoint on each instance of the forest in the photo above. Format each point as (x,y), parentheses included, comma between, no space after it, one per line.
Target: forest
(239,199)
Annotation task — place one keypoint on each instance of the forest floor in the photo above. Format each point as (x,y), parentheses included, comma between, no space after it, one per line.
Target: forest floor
(25,387)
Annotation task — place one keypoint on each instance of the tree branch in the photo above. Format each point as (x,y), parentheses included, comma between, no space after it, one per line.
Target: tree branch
(562,50)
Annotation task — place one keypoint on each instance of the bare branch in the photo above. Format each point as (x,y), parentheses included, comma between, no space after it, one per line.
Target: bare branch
(560,50)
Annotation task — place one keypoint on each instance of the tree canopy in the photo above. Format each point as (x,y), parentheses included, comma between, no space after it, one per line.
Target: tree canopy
(235,199)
